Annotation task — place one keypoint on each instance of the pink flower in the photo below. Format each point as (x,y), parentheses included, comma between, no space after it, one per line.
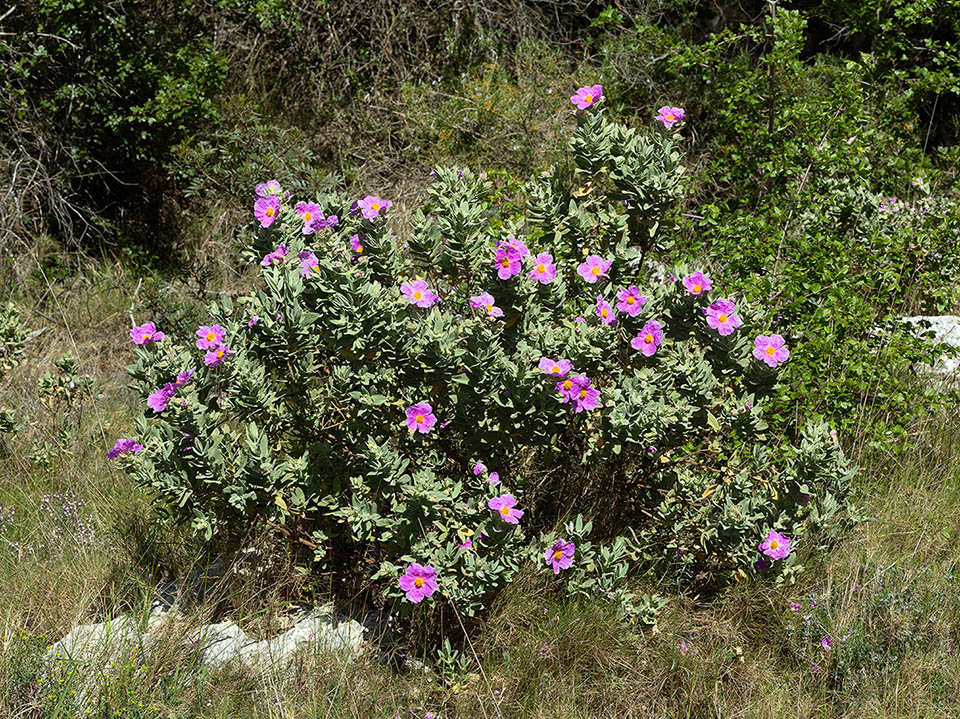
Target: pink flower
(466,545)
(356,245)
(217,356)
(517,245)
(544,271)
(555,368)
(507,261)
(159,398)
(648,339)
(795,606)
(504,506)
(605,312)
(147,332)
(697,283)
(494,478)
(669,116)
(587,96)
(275,257)
(776,545)
(593,268)
(485,301)
(630,301)
(321,223)
(684,649)
(420,417)
(826,642)
(771,349)
(585,398)
(560,555)
(268,188)
(479,468)
(419,294)
(722,316)
(122,446)
(266,209)
(183,378)
(308,262)
(371,206)
(308,211)
(418,582)
(210,336)
(569,388)
(253,320)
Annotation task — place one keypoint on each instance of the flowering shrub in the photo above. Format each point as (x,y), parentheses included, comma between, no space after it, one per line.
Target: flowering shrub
(357,399)
(12,338)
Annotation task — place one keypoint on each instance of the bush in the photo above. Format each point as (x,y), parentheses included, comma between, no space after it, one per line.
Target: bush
(299,416)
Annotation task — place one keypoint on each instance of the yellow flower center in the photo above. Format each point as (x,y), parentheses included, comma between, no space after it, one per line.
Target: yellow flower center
(418,295)
(269,212)
(583,393)
(631,299)
(375,206)
(648,338)
(418,419)
(147,335)
(418,582)
(595,271)
(211,337)
(697,289)
(316,268)
(307,216)
(603,312)
(774,544)
(568,384)
(555,369)
(722,317)
(770,350)
(489,308)
(220,354)
(505,511)
(557,554)
(670,117)
(359,249)
(505,262)
(588,98)
(541,269)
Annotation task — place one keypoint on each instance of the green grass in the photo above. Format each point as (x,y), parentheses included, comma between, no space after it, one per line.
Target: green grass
(889,595)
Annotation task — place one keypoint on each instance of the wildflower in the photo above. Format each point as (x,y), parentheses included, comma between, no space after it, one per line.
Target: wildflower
(266,210)
(795,606)
(308,211)
(420,417)
(418,582)
(466,545)
(605,312)
(560,555)
(371,206)
(586,397)
(648,339)
(776,545)
(147,332)
(684,649)
(630,301)
(593,268)
(308,261)
(494,479)
(544,271)
(507,261)
(268,189)
(123,445)
(419,294)
(557,368)
(278,255)
(826,642)
(217,356)
(183,378)
(570,388)
(479,468)
(504,505)
(210,336)
(722,316)
(697,283)
(762,565)
(253,320)
(587,96)
(159,398)
(770,349)
(321,223)
(517,245)
(356,245)
(485,300)
(670,116)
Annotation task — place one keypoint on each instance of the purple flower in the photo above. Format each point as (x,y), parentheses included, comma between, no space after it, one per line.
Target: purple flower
(210,336)
(419,294)
(123,445)
(479,468)
(560,555)
(147,332)
(217,356)
(771,349)
(776,545)
(826,642)
(508,261)
(466,545)
(669,116)
(795,606)
(183,378)
(630,301)
(722,316)
(494,478)
(268,189)
(420,417)
(555,368)
(587,96)
(543,269)
(159,398)
(593,268)
(371,206)
(605,312)
(586,397)
(308,261)
(321,223)
(648,339)
(684,649)
(570,388)
(356,245)
(275,257)
(308,211)
(697,283)
(517,245)
(253,320)
(266,210)
(485,301)
(504,506)
(418,582)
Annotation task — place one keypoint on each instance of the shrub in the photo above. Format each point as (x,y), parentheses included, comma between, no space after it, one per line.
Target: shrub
(391,402)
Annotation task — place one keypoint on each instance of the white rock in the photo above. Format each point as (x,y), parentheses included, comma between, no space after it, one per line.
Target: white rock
(945,329)
(105,642)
